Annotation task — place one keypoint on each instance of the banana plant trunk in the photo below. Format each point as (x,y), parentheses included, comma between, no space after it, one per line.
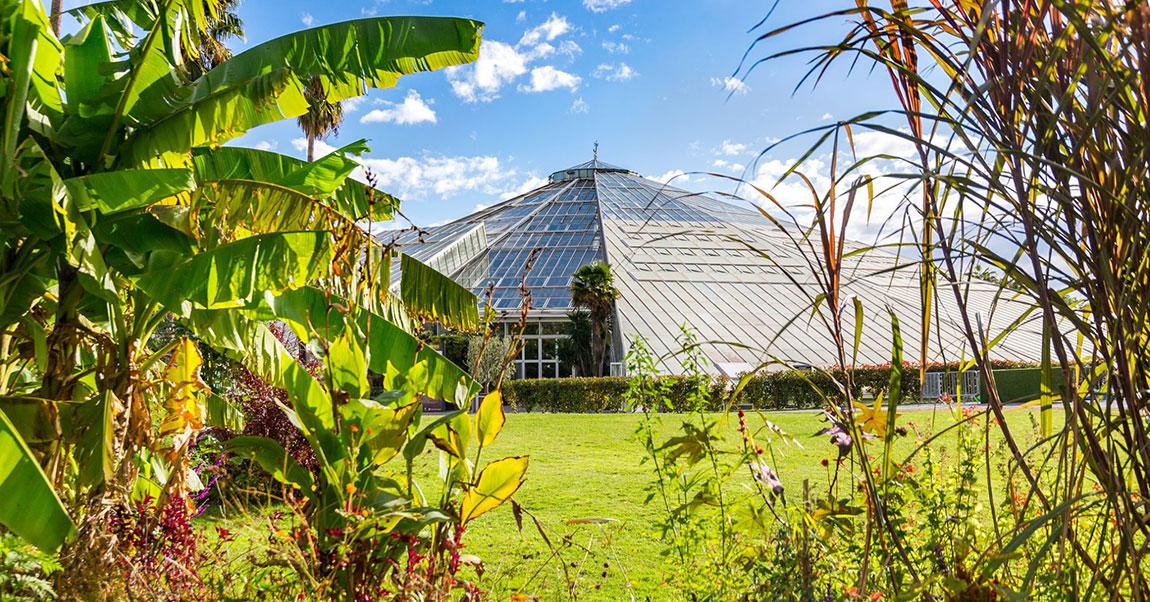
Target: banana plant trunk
(54,19)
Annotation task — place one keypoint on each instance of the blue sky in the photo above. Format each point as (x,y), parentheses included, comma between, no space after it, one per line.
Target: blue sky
(650,80)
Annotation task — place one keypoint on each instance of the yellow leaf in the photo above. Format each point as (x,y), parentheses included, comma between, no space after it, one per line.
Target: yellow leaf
(495,485)
(185,412)
(489,419)
(453,436)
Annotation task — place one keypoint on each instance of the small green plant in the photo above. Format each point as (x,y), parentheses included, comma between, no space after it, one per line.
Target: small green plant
(487,358)
(25,571)
(694,474)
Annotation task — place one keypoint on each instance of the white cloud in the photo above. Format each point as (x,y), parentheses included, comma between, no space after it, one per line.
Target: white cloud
(728,165)
(498,65)
(731,85)
(569,48)
(679,176)
(872,143)
(351,105)
(412,110)
(547,78)
(827,117)
(732,149)
(527,185)
(793,193)
(550,29)
(431,176)
(521,17)
(268,145)
(620,72)
(580,106)
(307,19)
(614,28)
(599,6)
(616,47)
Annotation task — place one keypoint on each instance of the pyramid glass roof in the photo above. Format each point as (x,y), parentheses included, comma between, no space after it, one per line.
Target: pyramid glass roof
(684,258)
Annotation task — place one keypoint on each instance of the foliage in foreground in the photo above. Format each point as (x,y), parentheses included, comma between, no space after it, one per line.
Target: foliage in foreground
(1028,124)
(122,212)
(781,538)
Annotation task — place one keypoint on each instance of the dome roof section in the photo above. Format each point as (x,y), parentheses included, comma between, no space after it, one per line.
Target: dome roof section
(587,170)
(705,259)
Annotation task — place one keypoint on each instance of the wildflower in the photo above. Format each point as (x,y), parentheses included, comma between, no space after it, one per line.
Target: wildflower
(349,488)
(840,435)
(825,462)
(765,475)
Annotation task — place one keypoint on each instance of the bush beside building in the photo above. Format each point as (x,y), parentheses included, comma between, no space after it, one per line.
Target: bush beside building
(783,390)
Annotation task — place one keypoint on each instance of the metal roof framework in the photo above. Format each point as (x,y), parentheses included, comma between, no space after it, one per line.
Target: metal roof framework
(687,259)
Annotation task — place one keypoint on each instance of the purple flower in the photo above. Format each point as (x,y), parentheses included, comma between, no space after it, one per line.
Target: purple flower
(840,436)
(768,477)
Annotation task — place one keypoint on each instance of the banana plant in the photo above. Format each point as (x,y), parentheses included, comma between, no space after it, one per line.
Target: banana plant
(361,510)
(120,208)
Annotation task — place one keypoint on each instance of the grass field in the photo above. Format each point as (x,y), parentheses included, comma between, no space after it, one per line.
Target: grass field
(589,467)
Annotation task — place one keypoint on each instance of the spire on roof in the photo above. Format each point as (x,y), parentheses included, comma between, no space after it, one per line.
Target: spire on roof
(595,152)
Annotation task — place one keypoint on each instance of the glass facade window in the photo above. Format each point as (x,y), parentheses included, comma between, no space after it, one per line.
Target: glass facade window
(539,357)
(679,257)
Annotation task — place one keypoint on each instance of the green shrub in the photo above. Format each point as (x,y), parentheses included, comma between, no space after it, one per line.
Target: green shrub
(578,395)
(1020,384)
(588,395)
(781,390)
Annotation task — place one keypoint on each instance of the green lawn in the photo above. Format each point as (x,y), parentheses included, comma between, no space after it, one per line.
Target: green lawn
(589,466)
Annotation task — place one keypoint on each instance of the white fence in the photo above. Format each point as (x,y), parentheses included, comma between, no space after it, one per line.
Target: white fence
(938,383)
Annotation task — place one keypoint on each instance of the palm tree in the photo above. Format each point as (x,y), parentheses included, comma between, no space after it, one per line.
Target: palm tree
(575,349)
(323,117)
(593,288)
(226,24)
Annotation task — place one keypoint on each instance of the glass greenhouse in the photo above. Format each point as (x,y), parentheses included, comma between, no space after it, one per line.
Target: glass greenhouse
(722,269)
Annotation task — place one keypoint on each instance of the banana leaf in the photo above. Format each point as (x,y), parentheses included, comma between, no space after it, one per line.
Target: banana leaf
(325,178)
(265,83)
(234,274)
(429,294)
(29,507)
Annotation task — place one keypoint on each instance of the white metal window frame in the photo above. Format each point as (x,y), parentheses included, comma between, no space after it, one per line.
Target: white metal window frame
(937,383)
(538,366)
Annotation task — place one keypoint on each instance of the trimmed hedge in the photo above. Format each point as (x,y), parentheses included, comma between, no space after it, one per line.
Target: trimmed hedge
(795,389)
(590,395)
(788,389)
(783,390)
(1022,384)
(580,395)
